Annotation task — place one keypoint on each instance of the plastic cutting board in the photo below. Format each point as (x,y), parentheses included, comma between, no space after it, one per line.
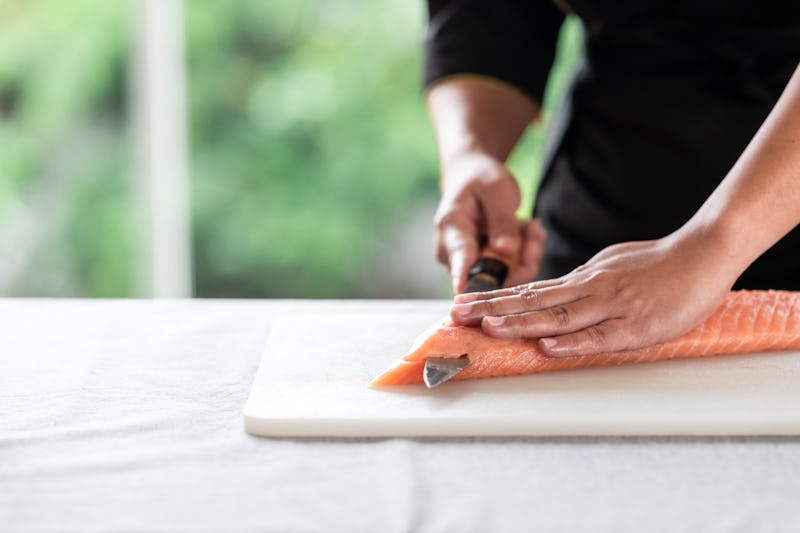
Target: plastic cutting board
(315,369)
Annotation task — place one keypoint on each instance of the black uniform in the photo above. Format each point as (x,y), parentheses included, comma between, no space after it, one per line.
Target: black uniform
(669,95)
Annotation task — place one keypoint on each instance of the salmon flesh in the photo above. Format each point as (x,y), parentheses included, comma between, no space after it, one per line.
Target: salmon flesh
(747,321)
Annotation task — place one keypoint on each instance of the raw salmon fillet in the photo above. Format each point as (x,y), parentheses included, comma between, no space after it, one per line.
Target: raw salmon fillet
(747,321)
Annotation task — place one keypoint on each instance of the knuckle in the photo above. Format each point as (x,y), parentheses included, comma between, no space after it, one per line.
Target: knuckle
(519,289)
(531,298)
(488,307)
(444,219)
(525,287)
(597,336)
(601,276)
(559,315)
(627,293)
(637,305)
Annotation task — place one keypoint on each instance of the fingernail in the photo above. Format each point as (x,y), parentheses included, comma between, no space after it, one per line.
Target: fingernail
(463,311)
(465,297)
(551,346)
(495,320)
(548,343)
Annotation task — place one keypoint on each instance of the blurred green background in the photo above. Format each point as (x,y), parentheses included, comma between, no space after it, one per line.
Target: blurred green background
(313,167)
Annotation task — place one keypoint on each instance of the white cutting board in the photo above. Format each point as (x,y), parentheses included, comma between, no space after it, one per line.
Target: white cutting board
(314,374)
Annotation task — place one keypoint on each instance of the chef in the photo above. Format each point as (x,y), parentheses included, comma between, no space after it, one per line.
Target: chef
(675,178)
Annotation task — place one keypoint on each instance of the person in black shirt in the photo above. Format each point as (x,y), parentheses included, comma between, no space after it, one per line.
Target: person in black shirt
(676,178)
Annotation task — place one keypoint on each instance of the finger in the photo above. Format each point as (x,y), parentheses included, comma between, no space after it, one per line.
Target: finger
(525,301)
(459,239)
(612,335)
(538,228)
(534,229)
(549,322)
(509,291)
(502,226)
(530,255)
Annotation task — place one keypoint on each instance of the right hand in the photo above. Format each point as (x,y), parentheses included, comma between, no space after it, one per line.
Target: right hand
(479,204)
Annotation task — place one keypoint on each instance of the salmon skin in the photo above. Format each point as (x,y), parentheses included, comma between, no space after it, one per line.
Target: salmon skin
(747,321)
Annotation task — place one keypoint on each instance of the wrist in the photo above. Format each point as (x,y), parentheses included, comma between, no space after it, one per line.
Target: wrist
(475,169)
(718,246)
(472,152)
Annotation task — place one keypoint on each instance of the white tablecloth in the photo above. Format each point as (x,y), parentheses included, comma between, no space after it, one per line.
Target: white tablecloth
(126,416)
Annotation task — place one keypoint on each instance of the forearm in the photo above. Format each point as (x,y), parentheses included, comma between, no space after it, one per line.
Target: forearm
(637,294)
(478,121)
(472,113)
(758,202)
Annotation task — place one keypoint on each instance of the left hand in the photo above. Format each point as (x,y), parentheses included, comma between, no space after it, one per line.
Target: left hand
(628,296)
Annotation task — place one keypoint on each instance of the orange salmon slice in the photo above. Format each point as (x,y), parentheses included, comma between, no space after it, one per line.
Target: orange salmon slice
(747,321)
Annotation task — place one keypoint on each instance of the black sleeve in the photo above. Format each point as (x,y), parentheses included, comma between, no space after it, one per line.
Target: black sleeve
(511,40)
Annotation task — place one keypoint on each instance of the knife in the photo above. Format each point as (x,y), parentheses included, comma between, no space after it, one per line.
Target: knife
(487,274)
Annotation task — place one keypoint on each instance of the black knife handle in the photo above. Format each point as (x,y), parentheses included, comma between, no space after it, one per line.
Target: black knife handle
(487,274)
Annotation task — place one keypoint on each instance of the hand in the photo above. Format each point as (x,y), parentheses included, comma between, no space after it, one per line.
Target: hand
(628,296)
(480,200)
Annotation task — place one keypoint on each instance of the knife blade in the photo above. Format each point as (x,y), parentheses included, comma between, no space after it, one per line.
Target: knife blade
(487,274)
(440,369)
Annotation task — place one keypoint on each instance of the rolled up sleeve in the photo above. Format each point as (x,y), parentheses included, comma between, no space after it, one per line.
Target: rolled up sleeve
(510,40)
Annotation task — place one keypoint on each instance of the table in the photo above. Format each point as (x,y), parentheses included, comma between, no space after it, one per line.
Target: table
(125,415)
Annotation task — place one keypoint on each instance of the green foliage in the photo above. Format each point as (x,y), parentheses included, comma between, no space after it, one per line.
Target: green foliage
(309,142)
(63,185)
